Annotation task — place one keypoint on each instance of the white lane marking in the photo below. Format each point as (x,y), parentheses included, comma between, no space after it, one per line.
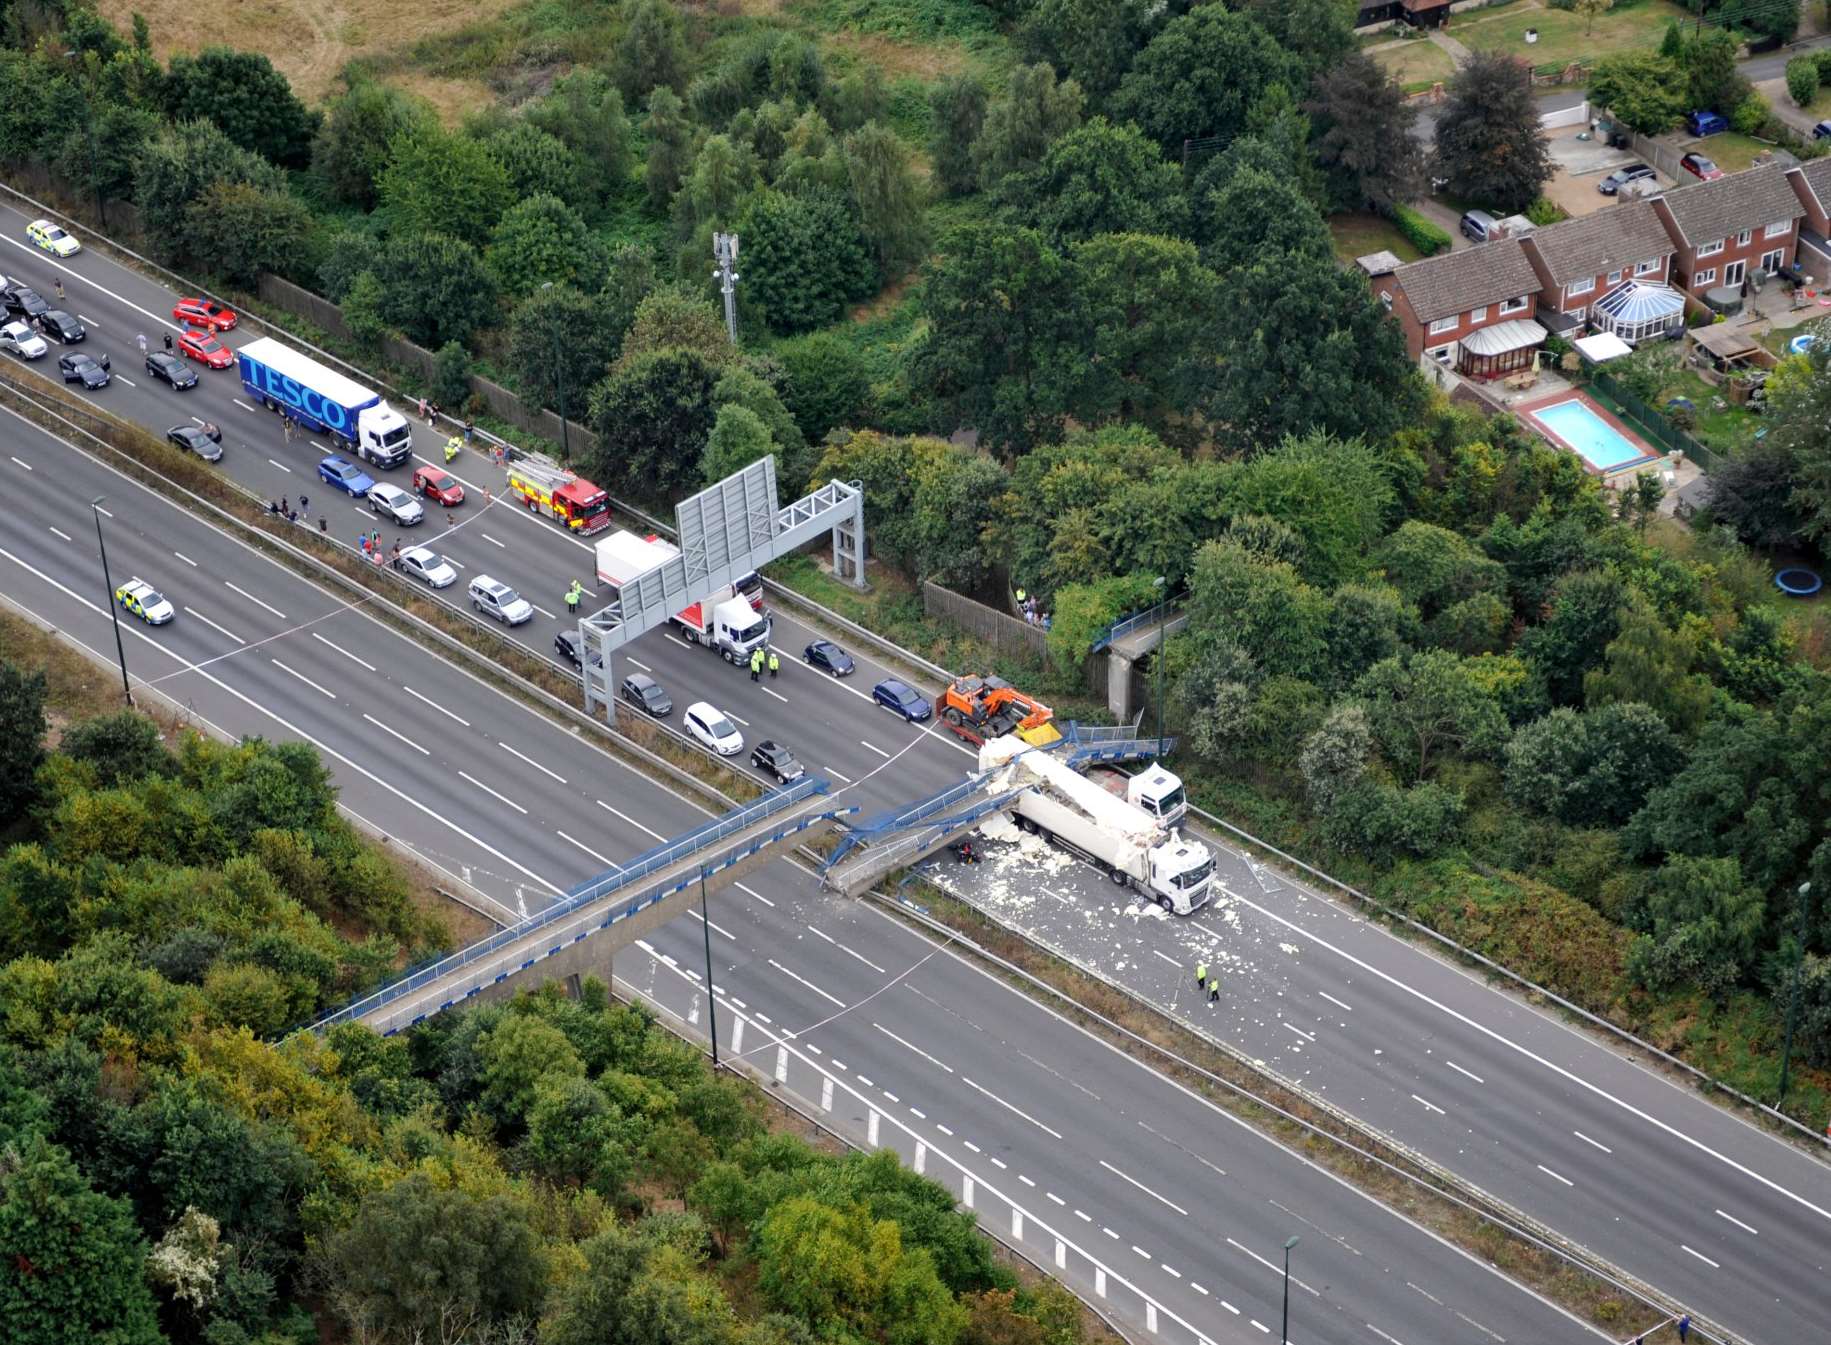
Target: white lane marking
(736,720)
(1700,1256)
(1307,1036)
(244,406)
(1047,1130)
(1109,1232)
(532,762)
(968,1143)
(427,700)
(880,751)
(1460,1070)
(1597,1143)
(88,321)
(716,927)
(1171,1270)
(837,775)
(1427,1293)
(396,733)
(1271,1266)
(745,887)
(778,695)
(996,1162)
(1431,1105)
(1370,1326)
(796,976)
(844,948)
(103,512)
(492,793)
(282,466)
(1336,1002)
(1142,1187)
(1198,1288)
(66,536)
(1057,1199)
(908,1045)
(828,937)
(303,678)
(223,630)
(486,537)
(1141,1251)
(602,859)
(1084,1216)
(256,601)
(1737,1222)
(346,653)
(320,447)
(1557,1175)
(1172,961)
(1537,1059)
(650,830)
(637,663)
(22,462)
(181,556)
(543,611)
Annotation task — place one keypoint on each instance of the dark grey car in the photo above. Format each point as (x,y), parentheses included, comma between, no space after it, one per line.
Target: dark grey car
(645,693)
(62,327)
(1621,177)
(89,370)
(193,439)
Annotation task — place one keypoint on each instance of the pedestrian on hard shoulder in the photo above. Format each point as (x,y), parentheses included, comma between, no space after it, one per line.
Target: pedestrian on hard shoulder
(775,664)
(1201,975)
(423,415)
(273,506)
(469,431)
(286,425)
(304,504)
(324,525)
(1214,990)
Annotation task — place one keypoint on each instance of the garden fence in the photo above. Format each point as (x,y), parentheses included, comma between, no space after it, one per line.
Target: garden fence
(1654,422)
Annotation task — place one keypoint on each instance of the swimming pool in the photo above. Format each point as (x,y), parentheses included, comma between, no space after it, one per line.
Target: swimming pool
(1577,426)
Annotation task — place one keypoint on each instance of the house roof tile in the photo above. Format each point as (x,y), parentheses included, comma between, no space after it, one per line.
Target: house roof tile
(1454,282)
(1816,173)
(1615,238)
(1745,200)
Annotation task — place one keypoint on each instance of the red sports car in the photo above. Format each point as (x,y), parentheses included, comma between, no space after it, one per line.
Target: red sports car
(435,483)
(204,313)
(203,347)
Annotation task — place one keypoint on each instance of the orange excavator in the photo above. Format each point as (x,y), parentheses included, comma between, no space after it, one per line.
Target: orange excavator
(979,709)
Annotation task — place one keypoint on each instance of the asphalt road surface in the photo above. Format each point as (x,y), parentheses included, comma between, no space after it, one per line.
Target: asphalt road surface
(1143,1197)
(1688,1196)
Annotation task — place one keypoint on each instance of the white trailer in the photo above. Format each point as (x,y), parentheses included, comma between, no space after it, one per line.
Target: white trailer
(722,621)
(1130,845)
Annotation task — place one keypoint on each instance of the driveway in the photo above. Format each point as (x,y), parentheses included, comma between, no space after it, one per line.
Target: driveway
(1581,165)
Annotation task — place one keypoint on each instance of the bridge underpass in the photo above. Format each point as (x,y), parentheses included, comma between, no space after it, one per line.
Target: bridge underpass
(579,935)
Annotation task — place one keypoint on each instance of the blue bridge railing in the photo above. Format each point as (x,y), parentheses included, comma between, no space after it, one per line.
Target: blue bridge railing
(1126,625)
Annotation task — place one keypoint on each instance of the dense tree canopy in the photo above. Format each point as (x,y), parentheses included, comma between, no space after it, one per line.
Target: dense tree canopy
(1489,143)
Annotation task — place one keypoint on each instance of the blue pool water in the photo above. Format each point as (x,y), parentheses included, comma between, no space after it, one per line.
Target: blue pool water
(1599,443)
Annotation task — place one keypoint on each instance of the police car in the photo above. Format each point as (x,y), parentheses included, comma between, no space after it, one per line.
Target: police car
(52,239)
(145,602)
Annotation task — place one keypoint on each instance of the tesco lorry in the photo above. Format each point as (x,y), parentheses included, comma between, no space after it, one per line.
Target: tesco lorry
(729,621)
(1129,844)
(324,402)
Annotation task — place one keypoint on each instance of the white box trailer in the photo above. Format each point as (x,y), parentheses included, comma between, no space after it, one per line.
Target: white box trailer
(1130,845)
(722,621)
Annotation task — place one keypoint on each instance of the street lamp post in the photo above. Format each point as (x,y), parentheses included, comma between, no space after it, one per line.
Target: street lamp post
(705,920)
(1284,1332)
(1792,1012)
(114,608)
(1162,585)
(565,435)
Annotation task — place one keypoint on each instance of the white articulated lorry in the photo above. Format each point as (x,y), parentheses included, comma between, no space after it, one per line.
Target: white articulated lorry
(727,621)
(1130,845)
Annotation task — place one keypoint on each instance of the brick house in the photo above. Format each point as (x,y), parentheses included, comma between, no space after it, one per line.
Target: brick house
(1580,262)
(1722,230)
(1472,308)
(1811,183)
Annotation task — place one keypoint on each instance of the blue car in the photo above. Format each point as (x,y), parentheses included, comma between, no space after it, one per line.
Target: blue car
(346,476)
(902,698)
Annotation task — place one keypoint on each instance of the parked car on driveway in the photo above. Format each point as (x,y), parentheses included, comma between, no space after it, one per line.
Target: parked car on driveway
(1822,131)
(1478,226)
(1700,167)
(1702,123)
(1621,177)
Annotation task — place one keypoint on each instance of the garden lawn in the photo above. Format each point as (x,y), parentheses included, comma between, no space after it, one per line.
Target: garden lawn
(1729,151)
(1416,64)
(1358,234)
(1564,36)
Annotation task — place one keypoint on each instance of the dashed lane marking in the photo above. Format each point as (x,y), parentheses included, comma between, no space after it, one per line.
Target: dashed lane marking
(224,630)
(552,775)
(395,733)
(256,601)
(603,859)
(427,700)
(492,793)
(332,695)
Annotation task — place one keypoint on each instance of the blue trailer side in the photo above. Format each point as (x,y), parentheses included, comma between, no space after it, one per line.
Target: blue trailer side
(324,402)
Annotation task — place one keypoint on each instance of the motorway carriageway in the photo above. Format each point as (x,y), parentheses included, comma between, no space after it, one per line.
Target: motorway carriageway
(1166,1209)
(1578,1136)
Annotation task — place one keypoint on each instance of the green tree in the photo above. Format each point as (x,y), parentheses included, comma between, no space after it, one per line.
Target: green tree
(518,1055)
(1646,92)
(1261,607)
(1802,80)
(363,305)
(450,382)
(652,53)
(1436,568)
(181,164)
(351,148)
(713,194)
(632,1294)
(957,107)
(436,182)
(103,153)
(1489,143)
(416,1257)
(22,737)
(1367,623)
(653,416)
(888,197)
(1150,308)
(1254,217)
(560,341)
(1318,32)
(1005,327)
(739,437)
(1710,69)
(1590,768)
(739,386)
(1335,756)
(803,259)
(1364,139)
(1423,704)
(1799,430)
(1033,113)
(1648,661)
(825,382)
(584,110)
(348,255)
(1331,493)
(955,494)
(1707,925)
(676,317)
(1585,616)
(576,1137)
(1091,41)
(242,93)
(73,1272)
(541,239)
(121,748)
(1752,493)
(1201,77)
(539,163)
(435,288)
(238,231)
(670,146)
(1102,179)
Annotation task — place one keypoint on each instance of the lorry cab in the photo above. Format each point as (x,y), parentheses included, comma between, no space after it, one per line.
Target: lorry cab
(383,436)
(1160,793)
(738,628)
(1184,871)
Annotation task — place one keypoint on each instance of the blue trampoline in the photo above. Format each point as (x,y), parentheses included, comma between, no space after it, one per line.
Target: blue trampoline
(1798,582)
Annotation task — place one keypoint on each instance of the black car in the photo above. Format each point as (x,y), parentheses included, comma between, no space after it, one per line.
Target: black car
(772,758)
(170,369)
(194,439)
(61,327)
(566,645)
(22,299)
(1822,131)
(828,657)
(645,693)
(1615,181)
(89,370)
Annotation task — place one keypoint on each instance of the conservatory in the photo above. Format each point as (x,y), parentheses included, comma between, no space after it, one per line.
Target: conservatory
(1639,312)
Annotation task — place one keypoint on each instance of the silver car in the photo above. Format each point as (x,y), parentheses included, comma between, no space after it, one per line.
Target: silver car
(23,341)
(395,503)
(427,566)
(494,598)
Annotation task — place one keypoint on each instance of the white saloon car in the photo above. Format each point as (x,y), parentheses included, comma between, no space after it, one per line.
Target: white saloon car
(22,341)
(427,566)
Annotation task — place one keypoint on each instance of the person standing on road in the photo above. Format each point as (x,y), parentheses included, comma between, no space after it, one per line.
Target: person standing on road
(168,343)
(573,595)
(57,286)
(775,664)
(1201,975)
(1214,990)
(756,664)
(142,339)
(304,504)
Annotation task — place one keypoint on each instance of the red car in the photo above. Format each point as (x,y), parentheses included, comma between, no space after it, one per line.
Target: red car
(203,347)
(435,483)
(203,313)
(1701,167)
